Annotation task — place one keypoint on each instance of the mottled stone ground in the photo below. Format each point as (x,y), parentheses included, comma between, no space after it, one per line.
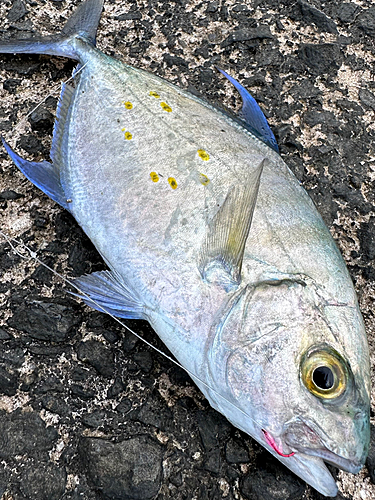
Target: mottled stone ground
(86,410)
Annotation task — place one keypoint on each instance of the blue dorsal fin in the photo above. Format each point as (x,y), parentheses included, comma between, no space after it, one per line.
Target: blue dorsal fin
(107,291)
(43,175)
(253,115)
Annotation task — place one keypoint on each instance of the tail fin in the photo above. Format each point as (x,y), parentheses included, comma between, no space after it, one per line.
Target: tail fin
(82,23)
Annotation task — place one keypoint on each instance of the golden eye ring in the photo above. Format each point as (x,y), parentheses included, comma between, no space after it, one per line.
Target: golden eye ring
(324,373)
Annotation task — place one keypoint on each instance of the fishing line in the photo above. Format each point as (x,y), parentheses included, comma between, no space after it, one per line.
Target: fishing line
(33,256)
(53,91)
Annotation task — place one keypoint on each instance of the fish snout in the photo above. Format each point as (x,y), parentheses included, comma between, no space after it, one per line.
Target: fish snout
(311,440)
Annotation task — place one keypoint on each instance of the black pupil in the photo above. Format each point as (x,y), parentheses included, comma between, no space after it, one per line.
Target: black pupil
(323,377)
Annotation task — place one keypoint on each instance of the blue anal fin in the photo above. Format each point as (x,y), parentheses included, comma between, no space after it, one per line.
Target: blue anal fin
(109,295)
(43,175)
(253,115)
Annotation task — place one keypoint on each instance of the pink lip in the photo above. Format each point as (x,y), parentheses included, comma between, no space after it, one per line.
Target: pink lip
(270,440)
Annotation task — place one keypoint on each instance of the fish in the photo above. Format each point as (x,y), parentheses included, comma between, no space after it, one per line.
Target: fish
(209,236)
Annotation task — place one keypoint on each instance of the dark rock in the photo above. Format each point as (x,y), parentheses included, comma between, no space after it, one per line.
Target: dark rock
(115,388)
(129,15)
(124,406)
(366,237)
(97,355)
(128,470)
(367,97)
(24,433)
(321,58)
(212,7)
(269,480)
(8,382)
(154,412)
(236,453)
(45,320)
(370,462)
(17,11)
(10,195)
(366,21)
(346,12)
(312,15)
(82,393)
(54,405)
(30,144)
(11,84)
(95,419)
(4,335)
(45,482)
(244,35)
(41,119)
(211,424)
(143,360)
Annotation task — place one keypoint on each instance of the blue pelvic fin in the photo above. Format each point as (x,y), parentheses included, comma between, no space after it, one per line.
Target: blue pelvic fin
(83,23)
(253,115)
(224,246)
(60,128)
(43,174)
(109,293)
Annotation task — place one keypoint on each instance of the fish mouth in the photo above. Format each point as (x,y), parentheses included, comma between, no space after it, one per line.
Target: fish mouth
(303,438)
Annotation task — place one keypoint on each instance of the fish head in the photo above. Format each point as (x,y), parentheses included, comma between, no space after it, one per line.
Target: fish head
(297,378)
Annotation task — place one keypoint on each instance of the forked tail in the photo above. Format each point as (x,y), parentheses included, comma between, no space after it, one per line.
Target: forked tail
(83,24)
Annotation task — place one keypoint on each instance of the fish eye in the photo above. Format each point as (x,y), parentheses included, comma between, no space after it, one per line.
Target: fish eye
(324,372)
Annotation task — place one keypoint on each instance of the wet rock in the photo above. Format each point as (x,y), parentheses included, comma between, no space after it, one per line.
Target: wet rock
(24,434)
(128,470)
(97,355)
(44,320)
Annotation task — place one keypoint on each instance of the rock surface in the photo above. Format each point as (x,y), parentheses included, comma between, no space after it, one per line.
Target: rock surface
(86,410)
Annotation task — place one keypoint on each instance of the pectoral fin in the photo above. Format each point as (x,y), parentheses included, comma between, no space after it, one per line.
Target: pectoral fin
(109,295)
(223,248)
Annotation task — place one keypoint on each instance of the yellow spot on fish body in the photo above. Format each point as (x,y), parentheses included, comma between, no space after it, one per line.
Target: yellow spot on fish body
(166,107)
(128,136)
(203,154)
(154,94)
(128,105)
(154,177)
(203,179)
(172,182)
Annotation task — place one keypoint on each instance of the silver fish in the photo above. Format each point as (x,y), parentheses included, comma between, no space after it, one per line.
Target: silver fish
(209,236)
